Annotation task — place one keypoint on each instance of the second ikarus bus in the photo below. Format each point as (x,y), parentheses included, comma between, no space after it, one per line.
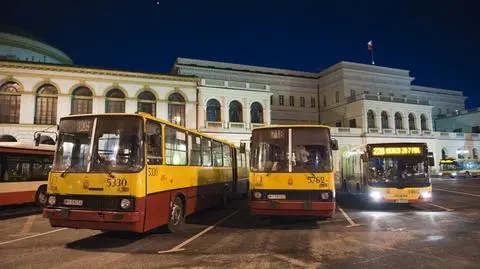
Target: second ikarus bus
(453,168)
(387,172)
(292,171)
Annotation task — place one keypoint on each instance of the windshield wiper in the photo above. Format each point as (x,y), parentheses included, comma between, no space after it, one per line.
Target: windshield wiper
(103,164)
(64,172)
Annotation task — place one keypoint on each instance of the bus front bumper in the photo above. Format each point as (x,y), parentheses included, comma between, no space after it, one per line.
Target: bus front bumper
(95,220)
(292,208)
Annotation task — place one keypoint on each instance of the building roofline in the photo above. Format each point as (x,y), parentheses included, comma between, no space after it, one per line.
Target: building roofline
(95,70)
(244,68)
(366,68)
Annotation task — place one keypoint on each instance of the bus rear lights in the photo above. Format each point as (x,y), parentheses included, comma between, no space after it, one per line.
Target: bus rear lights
(125,203)
(257,195)
(375,195)
(325,196)
(425,195)
(52,200)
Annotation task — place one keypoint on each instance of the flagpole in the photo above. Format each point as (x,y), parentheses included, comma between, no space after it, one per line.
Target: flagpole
(371,53)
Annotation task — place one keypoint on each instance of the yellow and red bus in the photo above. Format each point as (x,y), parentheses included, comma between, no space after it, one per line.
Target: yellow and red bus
(292,171)
(387,173)
(135,172)
(453,168)
(24,172)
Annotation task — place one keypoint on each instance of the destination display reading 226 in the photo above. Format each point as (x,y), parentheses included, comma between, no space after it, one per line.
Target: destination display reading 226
(383,151)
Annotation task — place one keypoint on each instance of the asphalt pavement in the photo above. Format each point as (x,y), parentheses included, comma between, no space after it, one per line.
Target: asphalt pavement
(441,234)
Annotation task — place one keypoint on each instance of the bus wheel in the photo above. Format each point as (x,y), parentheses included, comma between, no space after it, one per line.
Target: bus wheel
(41,196)
(176,218)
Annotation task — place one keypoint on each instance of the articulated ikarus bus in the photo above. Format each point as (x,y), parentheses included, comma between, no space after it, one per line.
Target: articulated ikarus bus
(465,168)
(134,172)
(387,172)
(292,171)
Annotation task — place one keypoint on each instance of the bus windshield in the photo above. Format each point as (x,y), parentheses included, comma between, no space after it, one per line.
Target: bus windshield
(117,144)
(310,151)
(398,171)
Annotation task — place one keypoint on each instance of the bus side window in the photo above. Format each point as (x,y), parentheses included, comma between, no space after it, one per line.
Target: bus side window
(227,156)
(217,154)
(175,146)
(154,143)
(195,154)
(206,152)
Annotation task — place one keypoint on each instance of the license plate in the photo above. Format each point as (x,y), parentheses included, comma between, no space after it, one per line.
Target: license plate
(402,201)
(276,196)
(73,202)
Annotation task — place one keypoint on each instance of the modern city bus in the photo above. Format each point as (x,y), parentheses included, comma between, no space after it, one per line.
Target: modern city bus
(292,171)
(387,173)
(453,168)
(24,172)
(135,172)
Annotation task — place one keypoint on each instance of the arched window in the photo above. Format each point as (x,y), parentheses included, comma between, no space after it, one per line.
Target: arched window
(213,110)
(444,153)
(9,102)
(475,153)
(398,121)
(256,113)
(147,103)
(411,122)
(235,112)
(115,101)
(176,109)
(82,99)
(370,119)
(384,120)
(46,105)
(423,122)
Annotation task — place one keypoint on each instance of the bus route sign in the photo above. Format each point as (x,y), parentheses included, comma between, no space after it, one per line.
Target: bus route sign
(386,151)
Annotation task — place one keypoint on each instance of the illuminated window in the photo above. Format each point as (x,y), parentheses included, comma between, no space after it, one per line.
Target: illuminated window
(256,113)
(10,103)
(175,146)
(398,121)
(82,99)
(213,110)
(176,109)
(384,116)
(147,103)
(235,112)
(115,101)
(411,122)
(423,122)
(371,119)
(46,105)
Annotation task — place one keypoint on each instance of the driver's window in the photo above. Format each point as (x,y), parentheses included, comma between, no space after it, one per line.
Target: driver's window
(154,143)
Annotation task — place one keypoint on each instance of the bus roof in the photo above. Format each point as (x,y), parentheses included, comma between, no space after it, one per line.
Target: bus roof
(292,126)
(148,116)
(23,146)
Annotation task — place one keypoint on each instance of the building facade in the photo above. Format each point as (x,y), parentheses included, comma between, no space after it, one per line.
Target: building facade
(362,103)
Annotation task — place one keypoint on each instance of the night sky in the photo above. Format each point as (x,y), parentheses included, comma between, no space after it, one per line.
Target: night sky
(438,41)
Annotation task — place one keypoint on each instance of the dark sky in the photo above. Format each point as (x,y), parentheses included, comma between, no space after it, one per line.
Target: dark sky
(438,41)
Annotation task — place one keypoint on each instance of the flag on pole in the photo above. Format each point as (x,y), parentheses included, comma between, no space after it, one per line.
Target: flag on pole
(370,45)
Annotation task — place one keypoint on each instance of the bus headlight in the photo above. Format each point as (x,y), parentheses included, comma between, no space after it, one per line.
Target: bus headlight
(52,200)
(454,174)
(325,195)
(426,195)
(257,195)
(440,174)
(375,195)
(125,203)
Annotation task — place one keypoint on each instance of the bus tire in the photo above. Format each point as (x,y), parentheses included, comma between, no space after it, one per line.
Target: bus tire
(41,195)
(176,217)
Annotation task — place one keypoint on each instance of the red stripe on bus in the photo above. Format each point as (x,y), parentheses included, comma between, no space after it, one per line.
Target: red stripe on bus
(18,197)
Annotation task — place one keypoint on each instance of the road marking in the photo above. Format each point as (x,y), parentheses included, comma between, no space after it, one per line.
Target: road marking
(28,225)
(457,192)
(441,207)
(352,223)
(32,236)
(181,245)
(295,261)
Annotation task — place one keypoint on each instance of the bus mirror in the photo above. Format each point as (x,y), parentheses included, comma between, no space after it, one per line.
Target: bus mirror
(431,161)
(334,143)
(36,138)
(242,147)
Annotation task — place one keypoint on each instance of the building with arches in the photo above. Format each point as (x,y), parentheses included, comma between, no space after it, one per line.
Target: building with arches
(362,103)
